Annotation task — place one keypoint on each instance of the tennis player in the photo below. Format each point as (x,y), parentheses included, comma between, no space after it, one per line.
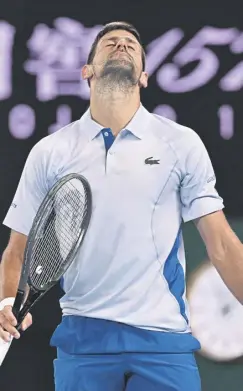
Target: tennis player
(125,319)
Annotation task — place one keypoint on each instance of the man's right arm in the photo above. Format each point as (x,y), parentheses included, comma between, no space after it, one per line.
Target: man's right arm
(32,188)
(11,264)
(10,270)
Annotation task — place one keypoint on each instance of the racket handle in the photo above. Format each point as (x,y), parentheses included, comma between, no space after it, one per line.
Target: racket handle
(18,303)
(35,295)
(4,348)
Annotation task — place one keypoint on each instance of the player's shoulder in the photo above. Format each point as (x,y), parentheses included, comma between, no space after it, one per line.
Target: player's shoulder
(173,131)
(177,136)
(59,141)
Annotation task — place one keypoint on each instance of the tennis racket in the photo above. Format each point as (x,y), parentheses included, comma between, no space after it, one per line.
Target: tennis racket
(55,237)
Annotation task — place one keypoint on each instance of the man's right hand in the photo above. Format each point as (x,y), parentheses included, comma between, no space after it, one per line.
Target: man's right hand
(8,324)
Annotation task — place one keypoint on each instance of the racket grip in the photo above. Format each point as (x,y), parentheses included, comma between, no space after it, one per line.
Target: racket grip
(18,303)
(27,306)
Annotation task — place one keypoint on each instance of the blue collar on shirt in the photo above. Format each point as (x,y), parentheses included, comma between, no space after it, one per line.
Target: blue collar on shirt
(137,126)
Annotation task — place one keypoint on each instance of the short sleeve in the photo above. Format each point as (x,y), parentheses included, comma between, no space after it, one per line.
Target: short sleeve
(198,194)
(30,192)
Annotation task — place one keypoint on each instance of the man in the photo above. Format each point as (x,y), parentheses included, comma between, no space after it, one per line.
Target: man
(126,322)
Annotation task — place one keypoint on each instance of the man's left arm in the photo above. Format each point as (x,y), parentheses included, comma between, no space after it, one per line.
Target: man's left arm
(201,203)
(224,249)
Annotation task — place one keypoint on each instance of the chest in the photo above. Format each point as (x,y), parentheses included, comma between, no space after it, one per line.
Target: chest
(126,166)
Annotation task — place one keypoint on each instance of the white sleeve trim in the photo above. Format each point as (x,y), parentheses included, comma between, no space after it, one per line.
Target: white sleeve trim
(202,207)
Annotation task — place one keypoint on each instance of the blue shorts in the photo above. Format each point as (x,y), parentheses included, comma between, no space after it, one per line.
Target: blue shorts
(100,355)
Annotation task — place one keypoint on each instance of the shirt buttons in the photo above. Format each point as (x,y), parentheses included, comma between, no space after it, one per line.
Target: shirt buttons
(111,152)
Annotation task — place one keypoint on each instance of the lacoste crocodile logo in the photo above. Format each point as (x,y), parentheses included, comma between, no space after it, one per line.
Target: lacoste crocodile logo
(151,161)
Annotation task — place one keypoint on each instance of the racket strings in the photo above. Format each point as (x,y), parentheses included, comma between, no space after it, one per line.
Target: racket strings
(64,234)
(66,238)
(53,249)
(58,232)
(50,250)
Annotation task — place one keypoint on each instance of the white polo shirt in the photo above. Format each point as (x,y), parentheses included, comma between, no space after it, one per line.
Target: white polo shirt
(155,175)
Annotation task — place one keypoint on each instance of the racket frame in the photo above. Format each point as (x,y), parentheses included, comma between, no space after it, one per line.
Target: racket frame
(35,294)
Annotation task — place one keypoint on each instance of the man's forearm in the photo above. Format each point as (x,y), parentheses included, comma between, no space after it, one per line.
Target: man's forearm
(10,270)
(229,264)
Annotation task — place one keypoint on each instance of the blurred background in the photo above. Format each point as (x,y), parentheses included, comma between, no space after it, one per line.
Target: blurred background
(195,63)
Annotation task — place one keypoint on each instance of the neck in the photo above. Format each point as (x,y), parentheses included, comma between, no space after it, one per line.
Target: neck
(114,109)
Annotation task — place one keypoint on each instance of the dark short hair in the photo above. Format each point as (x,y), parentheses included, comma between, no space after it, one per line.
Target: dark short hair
(116,26)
